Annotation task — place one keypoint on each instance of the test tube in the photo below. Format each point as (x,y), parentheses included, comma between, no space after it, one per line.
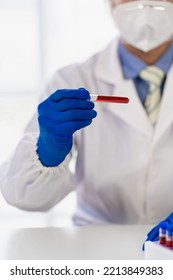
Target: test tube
(109,99)
(162,232)
(169,236)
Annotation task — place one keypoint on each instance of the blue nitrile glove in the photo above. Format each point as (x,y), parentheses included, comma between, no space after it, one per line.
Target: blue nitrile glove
(153,234)
(59,116)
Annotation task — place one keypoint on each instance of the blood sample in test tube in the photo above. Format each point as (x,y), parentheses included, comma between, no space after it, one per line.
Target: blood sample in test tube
(162,232)
(169,236)
(109,99)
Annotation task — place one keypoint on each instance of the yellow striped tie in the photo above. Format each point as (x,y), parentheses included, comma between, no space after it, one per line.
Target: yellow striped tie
(154,77)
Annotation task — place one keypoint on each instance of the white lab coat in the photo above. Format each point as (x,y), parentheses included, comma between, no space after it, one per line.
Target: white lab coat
(124,168)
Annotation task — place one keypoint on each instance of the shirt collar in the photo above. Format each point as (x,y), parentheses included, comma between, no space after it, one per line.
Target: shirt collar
(132,65)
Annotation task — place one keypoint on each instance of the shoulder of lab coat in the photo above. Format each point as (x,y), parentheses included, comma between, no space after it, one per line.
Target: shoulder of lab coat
(104,66)
(25,182)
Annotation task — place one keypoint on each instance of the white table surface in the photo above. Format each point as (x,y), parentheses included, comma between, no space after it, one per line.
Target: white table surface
(91,242)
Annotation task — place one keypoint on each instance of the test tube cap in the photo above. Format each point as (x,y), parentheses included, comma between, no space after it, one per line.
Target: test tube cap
(163,225)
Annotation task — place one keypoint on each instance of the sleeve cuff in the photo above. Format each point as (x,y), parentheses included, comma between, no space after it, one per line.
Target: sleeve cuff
(55,169)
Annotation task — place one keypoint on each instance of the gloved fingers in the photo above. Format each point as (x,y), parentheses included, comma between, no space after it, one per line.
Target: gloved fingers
(64,105)
(62,130)
(70,115)
(154,233)
(67,129)
(60,94)
(67,104)
(77,114)
(153,237)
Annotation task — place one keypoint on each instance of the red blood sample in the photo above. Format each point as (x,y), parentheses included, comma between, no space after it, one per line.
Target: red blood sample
(112,99)
(162,233)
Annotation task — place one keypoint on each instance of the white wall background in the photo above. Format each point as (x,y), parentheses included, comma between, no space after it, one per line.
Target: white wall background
(36,38)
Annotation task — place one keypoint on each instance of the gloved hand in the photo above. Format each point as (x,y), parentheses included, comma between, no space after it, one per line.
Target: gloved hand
(153,234)
(59,116)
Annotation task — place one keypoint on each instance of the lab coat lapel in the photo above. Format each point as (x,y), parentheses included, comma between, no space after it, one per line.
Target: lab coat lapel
(165,118)
(108,70)
(133,113)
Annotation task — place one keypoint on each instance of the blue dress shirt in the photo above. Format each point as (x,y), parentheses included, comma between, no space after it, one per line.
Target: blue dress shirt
(132,65)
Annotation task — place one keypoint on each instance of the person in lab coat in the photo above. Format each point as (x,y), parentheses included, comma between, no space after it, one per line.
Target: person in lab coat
(124,156)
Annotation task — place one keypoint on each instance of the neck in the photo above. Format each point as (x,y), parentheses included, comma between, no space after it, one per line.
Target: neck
(150,57)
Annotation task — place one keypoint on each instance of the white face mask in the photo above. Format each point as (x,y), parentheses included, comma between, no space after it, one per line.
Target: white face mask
(144,24)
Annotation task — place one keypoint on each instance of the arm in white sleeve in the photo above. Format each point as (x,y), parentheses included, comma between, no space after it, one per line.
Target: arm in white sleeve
(25,182)
(29,185)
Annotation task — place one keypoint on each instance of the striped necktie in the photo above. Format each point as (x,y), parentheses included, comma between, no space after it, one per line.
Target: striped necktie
(154,77)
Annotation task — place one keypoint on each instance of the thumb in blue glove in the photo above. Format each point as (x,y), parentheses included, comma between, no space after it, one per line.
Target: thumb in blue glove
(59,116)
